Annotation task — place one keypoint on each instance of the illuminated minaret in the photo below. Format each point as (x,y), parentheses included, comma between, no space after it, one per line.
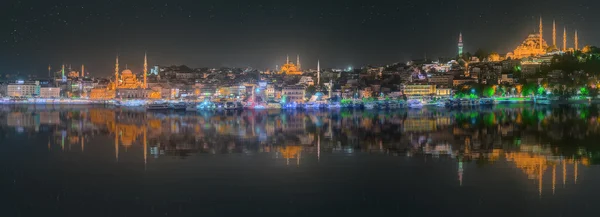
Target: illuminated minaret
(318,73)
(541,35)
(145,70)
(460,45)
(49,68)
(576,41)
(287,59)
(554,33)
(82,70)
(63,72)
(298,62)
(117,72)
(565,39)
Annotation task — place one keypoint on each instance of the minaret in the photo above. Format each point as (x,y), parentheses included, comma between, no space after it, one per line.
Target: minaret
(318,72)
(460,45)
(63,72)
(287,59)
(298,62)
(576,41)
(82,70)
(145,70)
(117,72)
(554,33)
(49,69)
(541,35)
(565,39)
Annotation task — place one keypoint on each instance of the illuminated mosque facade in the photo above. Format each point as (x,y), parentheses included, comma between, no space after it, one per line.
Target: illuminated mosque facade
(289,68)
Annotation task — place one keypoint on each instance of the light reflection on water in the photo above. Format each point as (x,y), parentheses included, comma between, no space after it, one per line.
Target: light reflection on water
(466,152)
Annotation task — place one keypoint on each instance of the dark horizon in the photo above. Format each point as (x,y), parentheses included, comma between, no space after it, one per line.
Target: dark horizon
(261,34)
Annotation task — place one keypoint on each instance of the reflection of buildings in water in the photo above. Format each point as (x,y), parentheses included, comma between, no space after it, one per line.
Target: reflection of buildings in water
(290,152)
(534,160)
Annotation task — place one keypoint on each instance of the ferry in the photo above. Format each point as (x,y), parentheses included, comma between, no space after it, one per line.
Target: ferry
(191,107)
(370,105)
(273,105)
(178,106)
(231,106)
(415,103)
(157,106)
(486,101)
(542,101)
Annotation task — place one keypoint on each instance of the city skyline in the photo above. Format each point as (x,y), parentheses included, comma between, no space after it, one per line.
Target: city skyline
(259,35)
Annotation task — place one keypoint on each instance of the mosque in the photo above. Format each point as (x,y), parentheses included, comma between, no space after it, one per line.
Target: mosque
(290,68)
(126,86)
(534,45)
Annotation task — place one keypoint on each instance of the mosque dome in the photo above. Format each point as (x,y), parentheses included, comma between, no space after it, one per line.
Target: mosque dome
(126,72)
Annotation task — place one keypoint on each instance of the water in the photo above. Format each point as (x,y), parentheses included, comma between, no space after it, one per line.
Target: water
(94,161)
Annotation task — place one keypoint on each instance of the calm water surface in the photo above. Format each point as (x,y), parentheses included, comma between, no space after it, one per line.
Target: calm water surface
(503,161)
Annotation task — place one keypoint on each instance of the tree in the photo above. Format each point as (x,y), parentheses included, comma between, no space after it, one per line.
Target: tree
(481,54)
(310,90)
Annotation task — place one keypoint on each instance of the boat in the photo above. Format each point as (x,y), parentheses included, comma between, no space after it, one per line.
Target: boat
(542,101)
(486,101)
(157,106)
(231,106)
(191,107)
(273,105)
(178,106)
(370,105)
(440,104)
(415,103)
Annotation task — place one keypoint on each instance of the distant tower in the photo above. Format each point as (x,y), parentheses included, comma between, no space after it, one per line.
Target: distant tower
(565,39)
(576,41)
(541,34)
(318,72)
(298,62)
(554,33)
(145,70)
(82,70)
(460,45)
(49,69)
(62,71)
(117,72)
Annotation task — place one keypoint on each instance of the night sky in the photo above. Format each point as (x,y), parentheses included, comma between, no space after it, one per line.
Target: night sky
(259,34)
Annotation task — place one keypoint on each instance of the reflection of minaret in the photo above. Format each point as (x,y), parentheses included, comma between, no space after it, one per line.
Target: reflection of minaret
(298,63)
(460,172)
(145,147)
(575,171)
(554,33)
(540,177)
(564,173)
(145,70)
(117,144)
(319,147)
(553,178)
(565,39)
(576,41)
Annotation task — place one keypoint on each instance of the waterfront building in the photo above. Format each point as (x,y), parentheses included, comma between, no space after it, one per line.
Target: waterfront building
(419,89)
(295,93)
(461,81)
(49,92)
(23,89)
